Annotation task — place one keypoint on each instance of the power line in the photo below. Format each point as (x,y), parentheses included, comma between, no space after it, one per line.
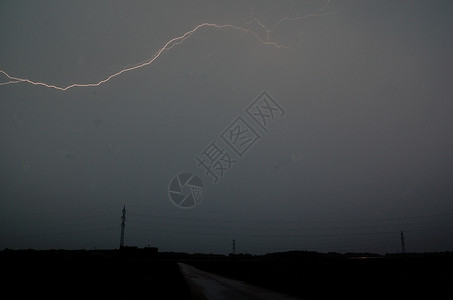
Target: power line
(296,221)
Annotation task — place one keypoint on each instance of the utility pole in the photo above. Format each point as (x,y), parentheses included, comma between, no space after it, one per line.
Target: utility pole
(123,224)
(403,245)
(234,246)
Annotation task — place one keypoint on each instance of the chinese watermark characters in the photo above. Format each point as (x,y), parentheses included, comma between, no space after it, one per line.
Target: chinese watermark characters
(220,155)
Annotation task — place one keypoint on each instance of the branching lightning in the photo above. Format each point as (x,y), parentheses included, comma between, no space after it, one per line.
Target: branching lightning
(286,19)
(168,46)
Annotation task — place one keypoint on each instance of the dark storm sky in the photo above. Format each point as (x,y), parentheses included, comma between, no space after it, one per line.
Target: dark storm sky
(364,150)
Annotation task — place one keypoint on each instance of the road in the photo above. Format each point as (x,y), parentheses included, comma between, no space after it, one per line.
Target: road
(204,285)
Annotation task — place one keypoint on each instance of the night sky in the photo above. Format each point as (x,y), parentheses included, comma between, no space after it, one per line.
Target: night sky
(361,148)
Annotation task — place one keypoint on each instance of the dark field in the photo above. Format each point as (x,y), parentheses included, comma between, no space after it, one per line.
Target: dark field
(112,274)
(329,277)
(89,275)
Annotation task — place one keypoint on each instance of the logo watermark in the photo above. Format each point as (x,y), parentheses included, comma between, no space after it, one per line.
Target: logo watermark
(186,190)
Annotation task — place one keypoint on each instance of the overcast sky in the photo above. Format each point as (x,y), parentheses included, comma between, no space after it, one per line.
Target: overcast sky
(363,150)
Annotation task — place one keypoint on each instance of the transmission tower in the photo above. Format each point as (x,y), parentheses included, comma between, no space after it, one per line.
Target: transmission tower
(403,245)
(123,224)
(234,246)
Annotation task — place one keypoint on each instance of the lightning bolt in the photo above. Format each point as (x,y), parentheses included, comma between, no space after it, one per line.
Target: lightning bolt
(286,19)
(168,46)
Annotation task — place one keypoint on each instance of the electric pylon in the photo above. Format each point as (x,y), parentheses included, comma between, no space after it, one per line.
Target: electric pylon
(123,224)
(403,245)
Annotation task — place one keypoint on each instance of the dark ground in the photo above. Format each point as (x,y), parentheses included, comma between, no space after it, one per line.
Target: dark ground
(136,273)
(317,276)
(89,275)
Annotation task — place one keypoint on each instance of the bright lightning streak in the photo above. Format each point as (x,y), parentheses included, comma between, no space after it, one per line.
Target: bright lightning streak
(168,46)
